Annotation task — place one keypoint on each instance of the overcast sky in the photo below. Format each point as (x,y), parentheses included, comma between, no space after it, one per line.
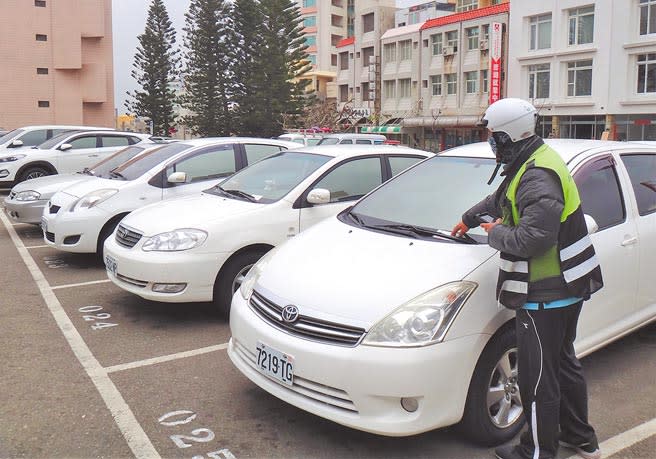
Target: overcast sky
(129,21)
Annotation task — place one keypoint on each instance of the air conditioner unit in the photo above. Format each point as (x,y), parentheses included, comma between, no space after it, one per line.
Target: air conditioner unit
(482,45)
(448,51)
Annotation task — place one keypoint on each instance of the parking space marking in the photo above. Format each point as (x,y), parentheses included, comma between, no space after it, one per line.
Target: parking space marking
(127,423)
(166,358)
(37,246)
(80,284)
(626,439)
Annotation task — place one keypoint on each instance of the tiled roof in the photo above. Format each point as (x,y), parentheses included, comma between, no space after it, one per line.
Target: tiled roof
(345,42)
(467,15)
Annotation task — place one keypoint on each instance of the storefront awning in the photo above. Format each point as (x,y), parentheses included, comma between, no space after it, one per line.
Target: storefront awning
(389,129)
(442,121)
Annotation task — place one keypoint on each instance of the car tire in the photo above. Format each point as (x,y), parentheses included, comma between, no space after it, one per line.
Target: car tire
(107,231)
(230,277)
(34,172)
(493,412)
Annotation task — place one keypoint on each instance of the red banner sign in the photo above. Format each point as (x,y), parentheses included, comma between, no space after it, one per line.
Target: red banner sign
(496,29)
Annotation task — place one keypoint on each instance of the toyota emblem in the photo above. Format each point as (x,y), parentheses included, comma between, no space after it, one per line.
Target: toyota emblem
(290,314)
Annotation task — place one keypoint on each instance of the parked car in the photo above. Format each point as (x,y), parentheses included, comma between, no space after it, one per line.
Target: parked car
(26,200)
(358,139)
(380,320)
(307,140)
(209,241)
(29,136)
(65,153)
(80,217)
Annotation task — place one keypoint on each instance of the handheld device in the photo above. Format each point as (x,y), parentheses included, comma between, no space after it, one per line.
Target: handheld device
(485,218)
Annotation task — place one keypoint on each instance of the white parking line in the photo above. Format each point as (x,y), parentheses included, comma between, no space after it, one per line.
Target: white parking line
(81,284)
(36,246)
(132,431)
(626,439)
(166,358)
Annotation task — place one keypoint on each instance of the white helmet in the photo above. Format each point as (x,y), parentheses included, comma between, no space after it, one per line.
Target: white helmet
(515,117)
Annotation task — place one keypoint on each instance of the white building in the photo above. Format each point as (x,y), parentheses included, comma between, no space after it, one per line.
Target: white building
(588,66)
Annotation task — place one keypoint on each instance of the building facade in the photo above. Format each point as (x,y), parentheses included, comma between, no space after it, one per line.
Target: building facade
(589,67)
(56,63)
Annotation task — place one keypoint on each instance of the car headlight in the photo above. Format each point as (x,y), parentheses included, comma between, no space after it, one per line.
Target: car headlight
(248,284)
(423,320)
(177,240)
(28,195)
(94,198)
(12,158)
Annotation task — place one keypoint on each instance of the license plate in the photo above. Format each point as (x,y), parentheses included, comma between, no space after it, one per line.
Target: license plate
(44,224)
(110,264)
(275,364)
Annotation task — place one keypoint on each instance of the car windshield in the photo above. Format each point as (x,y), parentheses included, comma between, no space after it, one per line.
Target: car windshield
(136,167)
(50,143)
(104,167)
(270,179)
(328,141)
(430,197)
(10,135)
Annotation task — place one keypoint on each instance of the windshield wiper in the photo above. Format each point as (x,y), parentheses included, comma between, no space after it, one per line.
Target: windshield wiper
(86,171)
(114,174)
(239,193)
(356,218)
(412,230)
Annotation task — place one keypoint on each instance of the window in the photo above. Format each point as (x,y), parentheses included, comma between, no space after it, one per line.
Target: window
(311,40)
(352,180)
(485,32)
(43,103)
(647,17)
(451,83)
(389,89)
(41,71)
(343,93)
(333,60)
(472,38)
(33,138)
(41,37)
(389,52)
(40,3)
(600,193)
(436,85)
(310,21)
(466,5)
(540,32)
(642,171)
(581,25)
(452,39)
(87,141)
(255,151)
(400,163)
(344,61)
(538,81)
(367,55)
(114,141)
(484,81)
(308,3)
(579,78)
(471,82)
(436,44)
(405,50)
(366,95)
(404,88)
(368,22)
(219,162)
(646,73)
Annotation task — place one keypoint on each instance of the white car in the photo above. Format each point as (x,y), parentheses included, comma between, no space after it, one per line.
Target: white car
(30,136)
(80,217)
(65,153)
(380,320)
(304,139)
(26,200)
(200,247)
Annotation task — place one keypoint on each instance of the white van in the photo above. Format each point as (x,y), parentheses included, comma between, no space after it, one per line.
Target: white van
(308,140)
(359,139)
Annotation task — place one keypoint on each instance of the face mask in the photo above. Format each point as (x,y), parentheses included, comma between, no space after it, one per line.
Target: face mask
(501,145)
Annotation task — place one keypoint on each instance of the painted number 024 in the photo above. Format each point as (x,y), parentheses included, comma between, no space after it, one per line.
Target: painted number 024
(96,317)
(201,435)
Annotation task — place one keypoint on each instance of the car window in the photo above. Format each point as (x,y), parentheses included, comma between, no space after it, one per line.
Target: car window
(114,141)
(103,168)
(255,152)
(32,138)
(10,135)
(87,141)
(642,172)
(56,132)
(346,142)
(214,163)
(401,163)
(328,141)
(352,179)
(600,193)
(363,142)
(313,141)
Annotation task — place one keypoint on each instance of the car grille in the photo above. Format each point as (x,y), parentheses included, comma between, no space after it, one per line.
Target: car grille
(54,209)
(331,396)
(50,236)
(127,238)
(306,327)
(131,281)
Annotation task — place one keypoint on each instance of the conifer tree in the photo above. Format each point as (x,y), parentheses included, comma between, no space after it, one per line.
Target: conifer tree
(155,70)
(209,67)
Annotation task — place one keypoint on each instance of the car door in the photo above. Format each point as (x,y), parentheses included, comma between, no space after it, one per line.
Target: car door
(204,168)
(347,181)
(604,196)
(641,170)
(83,153)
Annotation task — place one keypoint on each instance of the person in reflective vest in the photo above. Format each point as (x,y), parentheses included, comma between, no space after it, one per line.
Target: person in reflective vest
(548,268)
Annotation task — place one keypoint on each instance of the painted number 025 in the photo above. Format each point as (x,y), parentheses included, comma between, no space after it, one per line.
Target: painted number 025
(201,435)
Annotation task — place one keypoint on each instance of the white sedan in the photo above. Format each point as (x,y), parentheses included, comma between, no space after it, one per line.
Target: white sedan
(380,320)
(199,248)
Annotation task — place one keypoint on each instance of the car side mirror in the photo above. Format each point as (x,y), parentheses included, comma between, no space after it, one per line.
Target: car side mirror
(319,196)
(591,224)
(177,177)
(15,144)
(65,146)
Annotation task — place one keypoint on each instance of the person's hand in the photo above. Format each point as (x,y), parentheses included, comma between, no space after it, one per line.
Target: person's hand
(488,226)
(459,230)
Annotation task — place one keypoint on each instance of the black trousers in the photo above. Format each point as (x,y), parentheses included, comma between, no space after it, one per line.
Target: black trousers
(552,386)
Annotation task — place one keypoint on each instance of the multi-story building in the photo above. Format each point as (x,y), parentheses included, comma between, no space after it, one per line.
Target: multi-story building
(590,67)
(56,63)
(423,11)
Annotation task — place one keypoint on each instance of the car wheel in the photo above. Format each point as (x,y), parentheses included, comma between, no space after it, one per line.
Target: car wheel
(230,278)
(107,231)
(34,172)
(493,413)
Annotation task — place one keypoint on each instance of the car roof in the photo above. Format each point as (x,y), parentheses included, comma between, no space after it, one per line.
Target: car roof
(214,140)
(352,135)
(341,150)
(62,126)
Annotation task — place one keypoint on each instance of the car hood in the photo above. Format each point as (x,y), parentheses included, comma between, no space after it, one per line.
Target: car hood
(346,274)
(80,189)
(50,184)
(200,211)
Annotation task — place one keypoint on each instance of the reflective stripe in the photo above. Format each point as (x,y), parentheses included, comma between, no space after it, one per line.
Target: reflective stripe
(581,269)
(514,286)
(513,266)
(576,248)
